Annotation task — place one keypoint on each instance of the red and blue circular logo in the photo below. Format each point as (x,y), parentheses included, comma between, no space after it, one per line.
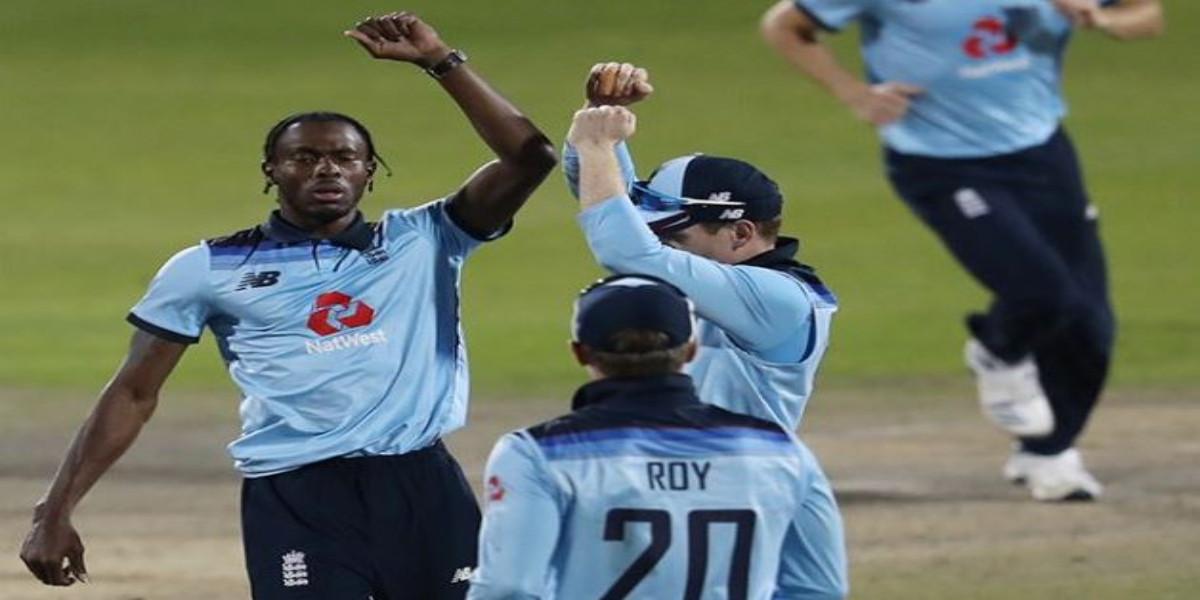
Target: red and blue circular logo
(335,312)
(989,37)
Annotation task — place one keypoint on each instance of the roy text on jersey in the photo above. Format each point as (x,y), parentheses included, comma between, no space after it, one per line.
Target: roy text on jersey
(677,475)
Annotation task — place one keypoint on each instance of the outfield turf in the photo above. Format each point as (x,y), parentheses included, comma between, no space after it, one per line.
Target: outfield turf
(132,128)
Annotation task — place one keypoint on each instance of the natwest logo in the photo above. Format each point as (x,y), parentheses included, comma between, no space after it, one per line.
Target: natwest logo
(495,489)
(335,312)
(989,38)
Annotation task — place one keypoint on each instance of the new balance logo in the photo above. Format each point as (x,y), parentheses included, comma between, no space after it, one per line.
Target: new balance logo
(258,280)
(462,575)
(732,214)
(295,570)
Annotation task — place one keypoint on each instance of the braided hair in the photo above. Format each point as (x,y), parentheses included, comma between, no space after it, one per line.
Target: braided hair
(321,117)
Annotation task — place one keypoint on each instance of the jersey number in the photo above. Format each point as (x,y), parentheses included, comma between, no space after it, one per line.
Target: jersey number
(660,540)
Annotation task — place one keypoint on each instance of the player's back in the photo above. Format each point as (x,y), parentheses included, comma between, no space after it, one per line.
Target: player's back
(666,497)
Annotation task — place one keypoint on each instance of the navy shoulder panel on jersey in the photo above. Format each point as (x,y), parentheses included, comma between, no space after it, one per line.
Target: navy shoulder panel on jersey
(620,414)
(611,429)
(246,238)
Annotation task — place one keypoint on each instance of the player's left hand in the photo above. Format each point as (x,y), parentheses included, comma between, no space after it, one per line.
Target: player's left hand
(400,36)
(1085,14)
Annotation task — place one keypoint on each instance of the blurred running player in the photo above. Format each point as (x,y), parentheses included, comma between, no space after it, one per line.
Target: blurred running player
(967,99)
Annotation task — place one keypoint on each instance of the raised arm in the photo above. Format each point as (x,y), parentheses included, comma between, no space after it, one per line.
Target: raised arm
(124,406)
(748,303)
(594,134)
(609,84)
(524,156)
(1123,20)
(796,37)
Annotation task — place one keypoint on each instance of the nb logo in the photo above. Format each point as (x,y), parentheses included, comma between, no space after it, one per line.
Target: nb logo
(733,213)
(258,280)
(462,575)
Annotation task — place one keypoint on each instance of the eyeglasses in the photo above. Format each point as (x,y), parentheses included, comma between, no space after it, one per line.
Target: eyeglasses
(650,199)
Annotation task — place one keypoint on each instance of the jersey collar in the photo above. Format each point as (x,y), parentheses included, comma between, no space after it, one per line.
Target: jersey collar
(656,390)
(783,254)
(358,235)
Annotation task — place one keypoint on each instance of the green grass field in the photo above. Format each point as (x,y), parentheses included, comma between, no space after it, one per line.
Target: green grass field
(132,129)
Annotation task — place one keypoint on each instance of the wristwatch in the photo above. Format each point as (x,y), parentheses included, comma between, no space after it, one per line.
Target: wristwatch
(451,62)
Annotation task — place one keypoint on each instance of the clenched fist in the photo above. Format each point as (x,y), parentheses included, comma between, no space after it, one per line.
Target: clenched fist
(601,126)
(616,84)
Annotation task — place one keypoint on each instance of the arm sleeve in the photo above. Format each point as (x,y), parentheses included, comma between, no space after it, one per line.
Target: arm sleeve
(833,15)
(437,223)
(520,525)
(176,305)
(813,560)
(754,305)
(571,166)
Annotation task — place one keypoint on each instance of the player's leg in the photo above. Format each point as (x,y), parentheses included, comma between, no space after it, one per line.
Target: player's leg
(301,536)
(432,539)
(1070,330)
(973,209)
(1074,359)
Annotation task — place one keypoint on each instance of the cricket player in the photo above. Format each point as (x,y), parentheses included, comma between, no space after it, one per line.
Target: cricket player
(344,338)
(709,225)
(644,491)
(967,99)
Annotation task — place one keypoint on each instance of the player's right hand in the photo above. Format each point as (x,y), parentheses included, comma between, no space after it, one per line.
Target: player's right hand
(53,552)
(602,125)
(400,36)
(884,103)
(616,84)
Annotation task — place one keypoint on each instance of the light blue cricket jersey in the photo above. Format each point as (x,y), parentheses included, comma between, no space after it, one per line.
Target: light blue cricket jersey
(645,493)
(990,68)
(762,330)
(344,347)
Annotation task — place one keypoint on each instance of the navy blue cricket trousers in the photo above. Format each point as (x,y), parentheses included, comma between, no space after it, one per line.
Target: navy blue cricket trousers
(1022,225)
(381,527)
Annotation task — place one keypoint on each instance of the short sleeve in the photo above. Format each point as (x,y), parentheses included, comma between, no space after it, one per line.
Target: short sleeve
(834,15)
(176,305)
(523,504)
(813,560)
(436,222)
